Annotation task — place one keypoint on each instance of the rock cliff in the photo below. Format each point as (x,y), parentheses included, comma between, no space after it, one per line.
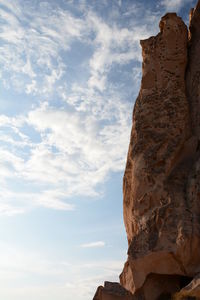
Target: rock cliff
(162,177)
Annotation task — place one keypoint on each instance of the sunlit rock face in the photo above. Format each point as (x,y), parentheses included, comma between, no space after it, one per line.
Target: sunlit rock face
(156,214)
(162,176)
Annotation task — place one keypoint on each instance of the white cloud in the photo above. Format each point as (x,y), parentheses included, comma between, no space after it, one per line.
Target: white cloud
(15,202)
(33,45)
(9,210)
(174,5)
(11,161)
(52,199)
(69,146)
(113,45)
(73,153)
(31,88)
(12,6)
(86,150)
(31,42)
(98,244)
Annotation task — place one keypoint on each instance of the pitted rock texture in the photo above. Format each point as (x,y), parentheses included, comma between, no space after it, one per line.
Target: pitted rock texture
(162,177)
(156,213)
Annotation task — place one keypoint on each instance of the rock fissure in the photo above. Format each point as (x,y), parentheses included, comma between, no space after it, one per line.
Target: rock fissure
(161,185)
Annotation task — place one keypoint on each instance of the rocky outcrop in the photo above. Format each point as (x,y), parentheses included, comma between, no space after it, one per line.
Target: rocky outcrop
(157,215)
(112,291)
(162,176)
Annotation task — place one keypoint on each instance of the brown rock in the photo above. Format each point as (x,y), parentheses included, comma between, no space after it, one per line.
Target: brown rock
(112,291)
(156,215)
(162,176)
(193,70)
(126,278)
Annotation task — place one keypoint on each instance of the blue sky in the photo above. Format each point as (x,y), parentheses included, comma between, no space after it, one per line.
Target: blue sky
(69,74)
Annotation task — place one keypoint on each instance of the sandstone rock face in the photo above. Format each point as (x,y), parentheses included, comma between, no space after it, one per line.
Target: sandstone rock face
(162,176)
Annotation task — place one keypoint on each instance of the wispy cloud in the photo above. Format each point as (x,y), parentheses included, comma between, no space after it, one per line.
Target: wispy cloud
(35,43)
(73,130)
(15,202)
(31,45)
(98,244)
(175,5)
(9,210)
(73,153)
(113,46)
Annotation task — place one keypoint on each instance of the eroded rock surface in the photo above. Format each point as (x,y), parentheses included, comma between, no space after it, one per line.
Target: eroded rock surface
(162,176)
(112,291)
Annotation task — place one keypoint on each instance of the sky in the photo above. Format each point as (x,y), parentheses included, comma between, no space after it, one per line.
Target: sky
(70,72)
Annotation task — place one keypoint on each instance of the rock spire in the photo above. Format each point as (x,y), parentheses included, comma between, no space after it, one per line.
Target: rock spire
(161,185)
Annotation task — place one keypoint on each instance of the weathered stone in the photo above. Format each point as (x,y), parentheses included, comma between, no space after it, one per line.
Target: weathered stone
(112,291)
(126,278)
(156,215)
(161,185)
(193,70)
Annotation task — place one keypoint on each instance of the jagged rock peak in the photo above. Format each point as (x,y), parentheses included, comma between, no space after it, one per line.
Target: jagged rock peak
(161,187)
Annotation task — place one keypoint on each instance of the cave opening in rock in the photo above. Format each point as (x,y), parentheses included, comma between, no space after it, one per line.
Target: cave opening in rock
(164,286)
(184,280)
(165,296)
(181,282)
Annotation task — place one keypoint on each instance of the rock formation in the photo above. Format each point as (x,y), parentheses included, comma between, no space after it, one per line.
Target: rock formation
(162,176)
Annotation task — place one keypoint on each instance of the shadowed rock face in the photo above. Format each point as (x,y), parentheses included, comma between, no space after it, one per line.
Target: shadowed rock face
(112,291)
(162,176)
